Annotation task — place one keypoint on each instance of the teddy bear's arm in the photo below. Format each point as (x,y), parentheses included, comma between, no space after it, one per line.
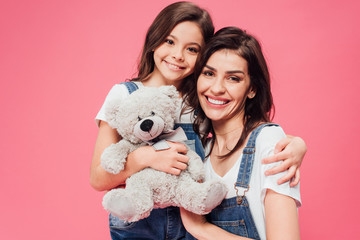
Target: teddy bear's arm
(195,166)
(114,157)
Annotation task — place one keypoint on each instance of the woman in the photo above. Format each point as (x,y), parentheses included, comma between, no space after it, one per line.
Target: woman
(233,92)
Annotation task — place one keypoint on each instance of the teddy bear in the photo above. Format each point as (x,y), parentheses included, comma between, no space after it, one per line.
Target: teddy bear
(145,117)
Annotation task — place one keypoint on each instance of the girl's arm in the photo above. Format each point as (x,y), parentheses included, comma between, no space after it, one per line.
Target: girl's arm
(171,161)
(291,150)
(197,226)
(281,217)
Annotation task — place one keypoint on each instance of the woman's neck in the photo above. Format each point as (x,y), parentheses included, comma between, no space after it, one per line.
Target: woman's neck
(227,133)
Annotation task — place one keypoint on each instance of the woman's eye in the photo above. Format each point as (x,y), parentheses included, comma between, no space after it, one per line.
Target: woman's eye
(193,50)
(208,73)
(169,41)
(234,78)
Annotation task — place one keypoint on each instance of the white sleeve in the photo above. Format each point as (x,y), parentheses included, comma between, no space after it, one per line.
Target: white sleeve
(118,91)
(265,144)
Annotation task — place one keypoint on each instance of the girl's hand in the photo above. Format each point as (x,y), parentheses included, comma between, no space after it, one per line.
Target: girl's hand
(172,160)
(291,151)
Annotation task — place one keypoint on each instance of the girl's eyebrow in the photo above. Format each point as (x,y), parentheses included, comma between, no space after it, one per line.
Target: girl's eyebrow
(188,43)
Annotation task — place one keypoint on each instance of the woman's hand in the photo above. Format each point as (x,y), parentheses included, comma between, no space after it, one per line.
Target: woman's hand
(291,150)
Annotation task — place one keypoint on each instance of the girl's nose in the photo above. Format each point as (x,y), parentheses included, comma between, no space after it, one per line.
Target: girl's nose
(177,54)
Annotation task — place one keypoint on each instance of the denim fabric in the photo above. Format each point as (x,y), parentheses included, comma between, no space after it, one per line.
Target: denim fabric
(193,142)
(161,224)
(233,214)
(131,86)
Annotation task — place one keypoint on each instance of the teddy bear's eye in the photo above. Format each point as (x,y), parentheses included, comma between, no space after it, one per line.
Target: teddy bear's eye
(152,113)
(139,118)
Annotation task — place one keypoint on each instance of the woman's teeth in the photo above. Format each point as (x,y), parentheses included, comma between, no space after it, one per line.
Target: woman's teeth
(218,102)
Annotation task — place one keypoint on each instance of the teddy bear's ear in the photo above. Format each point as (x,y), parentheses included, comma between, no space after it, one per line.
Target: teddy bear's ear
(169,91)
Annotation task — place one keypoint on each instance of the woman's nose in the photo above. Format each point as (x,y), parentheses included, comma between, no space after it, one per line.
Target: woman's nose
(218,85)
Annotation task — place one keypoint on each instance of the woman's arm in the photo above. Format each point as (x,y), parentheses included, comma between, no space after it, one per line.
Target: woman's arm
(281,217)
(291,150)
(197,226)
(171,161)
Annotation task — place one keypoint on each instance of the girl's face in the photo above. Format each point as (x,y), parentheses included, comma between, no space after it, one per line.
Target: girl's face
(223,86)
(175,58)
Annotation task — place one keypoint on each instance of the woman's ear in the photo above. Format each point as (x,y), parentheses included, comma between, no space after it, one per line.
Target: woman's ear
(252,93)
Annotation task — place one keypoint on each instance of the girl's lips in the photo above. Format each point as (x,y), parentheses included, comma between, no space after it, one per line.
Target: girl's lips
(174,66)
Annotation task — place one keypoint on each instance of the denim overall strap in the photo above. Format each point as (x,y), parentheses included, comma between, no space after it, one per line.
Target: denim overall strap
(233,214)
(193,142)
(247,160)
(131,86)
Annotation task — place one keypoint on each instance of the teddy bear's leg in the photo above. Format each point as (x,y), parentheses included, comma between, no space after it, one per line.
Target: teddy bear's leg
(132,203)
(118,203)
(200,198)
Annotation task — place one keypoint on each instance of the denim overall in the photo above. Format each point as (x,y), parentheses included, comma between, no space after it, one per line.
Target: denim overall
(233,214)
(162,223)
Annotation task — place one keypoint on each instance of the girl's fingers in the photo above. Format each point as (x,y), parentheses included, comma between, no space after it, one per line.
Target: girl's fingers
(295,180)
(281,145)
(288,176)
(178,147)
(277,169)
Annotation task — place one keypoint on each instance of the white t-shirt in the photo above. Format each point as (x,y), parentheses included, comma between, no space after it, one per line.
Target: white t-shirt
(119,91)
(259,183)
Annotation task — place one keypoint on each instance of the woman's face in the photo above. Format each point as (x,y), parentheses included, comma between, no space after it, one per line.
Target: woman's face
(175,58)
(223,86)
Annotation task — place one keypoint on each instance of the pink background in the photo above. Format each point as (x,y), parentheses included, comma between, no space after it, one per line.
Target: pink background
(58,60)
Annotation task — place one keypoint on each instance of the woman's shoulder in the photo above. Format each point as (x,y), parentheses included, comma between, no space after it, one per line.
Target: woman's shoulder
(269,136)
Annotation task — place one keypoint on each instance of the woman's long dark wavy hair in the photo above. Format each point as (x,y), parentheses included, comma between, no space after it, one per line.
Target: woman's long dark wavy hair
(160,29)
(258,109)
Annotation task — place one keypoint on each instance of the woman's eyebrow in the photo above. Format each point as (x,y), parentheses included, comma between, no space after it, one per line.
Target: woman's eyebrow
(211,68)
(235,71)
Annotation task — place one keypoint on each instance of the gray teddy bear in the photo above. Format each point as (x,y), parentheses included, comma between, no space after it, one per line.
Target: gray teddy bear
(145,115)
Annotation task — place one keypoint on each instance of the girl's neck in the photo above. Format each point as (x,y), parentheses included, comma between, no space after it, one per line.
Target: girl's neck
(156,80)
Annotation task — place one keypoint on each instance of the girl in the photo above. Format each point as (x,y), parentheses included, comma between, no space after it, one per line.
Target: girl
(233,91)
(171,47)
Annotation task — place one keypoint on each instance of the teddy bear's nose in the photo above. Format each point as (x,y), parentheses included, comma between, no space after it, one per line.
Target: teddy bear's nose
(146,125)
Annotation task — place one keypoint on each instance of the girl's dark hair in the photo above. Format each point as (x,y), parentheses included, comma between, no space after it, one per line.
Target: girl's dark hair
(161,27)
(258,109)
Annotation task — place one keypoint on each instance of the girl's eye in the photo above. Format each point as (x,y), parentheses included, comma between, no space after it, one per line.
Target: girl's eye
(208,73)
(169,41)
(193,50)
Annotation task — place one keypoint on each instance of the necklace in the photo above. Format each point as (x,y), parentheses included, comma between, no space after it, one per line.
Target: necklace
(235,130)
